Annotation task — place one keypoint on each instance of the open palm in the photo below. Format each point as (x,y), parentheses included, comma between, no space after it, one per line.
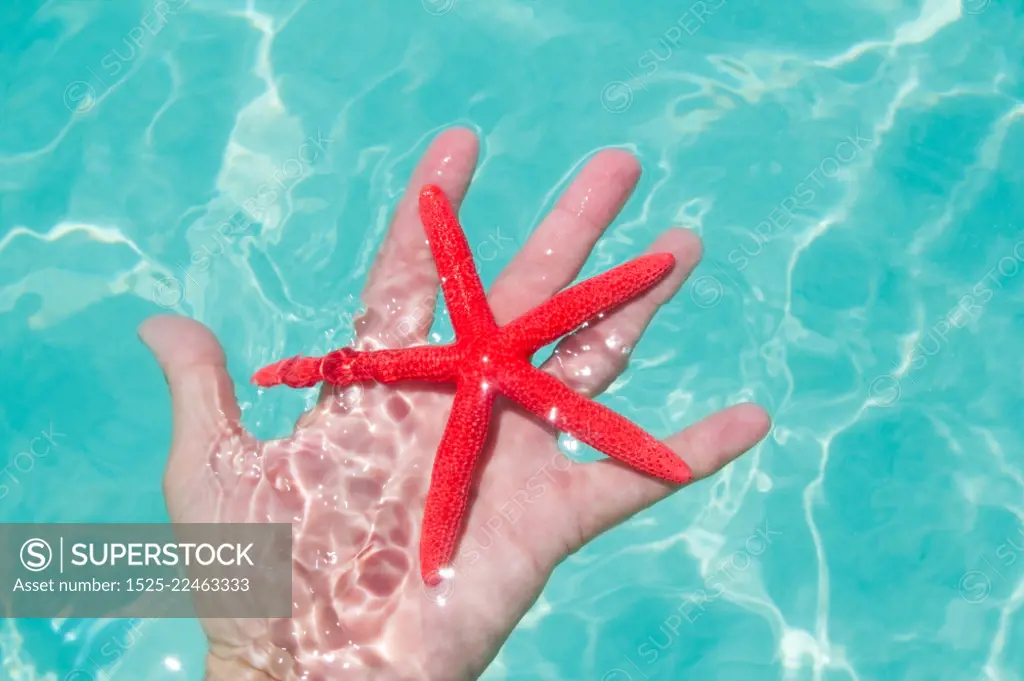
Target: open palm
(353,477)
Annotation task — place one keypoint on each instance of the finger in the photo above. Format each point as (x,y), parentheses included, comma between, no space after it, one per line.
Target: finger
(204,408)
(401,289)
(612,492)
(556,251)
(589,360)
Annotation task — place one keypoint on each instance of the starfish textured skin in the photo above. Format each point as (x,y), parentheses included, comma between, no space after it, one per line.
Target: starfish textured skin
(486,360)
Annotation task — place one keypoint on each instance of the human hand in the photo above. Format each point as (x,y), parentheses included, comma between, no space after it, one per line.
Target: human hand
(353,477)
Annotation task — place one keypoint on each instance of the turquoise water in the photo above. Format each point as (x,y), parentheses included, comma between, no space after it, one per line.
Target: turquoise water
(853,169)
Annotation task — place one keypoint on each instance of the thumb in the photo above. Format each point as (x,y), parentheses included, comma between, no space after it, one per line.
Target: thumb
(205,411)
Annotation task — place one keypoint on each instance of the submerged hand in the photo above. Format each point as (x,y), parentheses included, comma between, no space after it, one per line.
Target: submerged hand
(353,477)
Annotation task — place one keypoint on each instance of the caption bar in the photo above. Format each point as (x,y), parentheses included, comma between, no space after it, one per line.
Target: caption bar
(156,570)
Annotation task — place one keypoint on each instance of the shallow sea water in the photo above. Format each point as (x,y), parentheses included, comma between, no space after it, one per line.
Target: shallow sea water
(854,171)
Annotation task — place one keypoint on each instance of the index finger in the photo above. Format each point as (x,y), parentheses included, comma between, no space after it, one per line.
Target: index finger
(401,290)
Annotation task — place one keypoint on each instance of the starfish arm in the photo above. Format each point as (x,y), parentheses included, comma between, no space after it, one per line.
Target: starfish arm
(568,310)
(463,291)
(346,366)
(451,479)
(593,423)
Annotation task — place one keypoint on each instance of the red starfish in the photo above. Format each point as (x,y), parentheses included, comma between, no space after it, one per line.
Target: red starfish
(485,360)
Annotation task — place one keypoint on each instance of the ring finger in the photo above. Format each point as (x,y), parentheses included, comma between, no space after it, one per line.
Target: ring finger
(590,359)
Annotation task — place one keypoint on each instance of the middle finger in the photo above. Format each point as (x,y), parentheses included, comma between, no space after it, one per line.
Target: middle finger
(556,251)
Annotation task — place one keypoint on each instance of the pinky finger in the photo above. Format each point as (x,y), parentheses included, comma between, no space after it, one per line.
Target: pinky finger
(610,492)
